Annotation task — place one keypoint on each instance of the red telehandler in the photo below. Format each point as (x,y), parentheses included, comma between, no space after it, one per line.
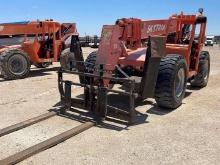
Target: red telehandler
(34,42)
(150,59)
(144,59)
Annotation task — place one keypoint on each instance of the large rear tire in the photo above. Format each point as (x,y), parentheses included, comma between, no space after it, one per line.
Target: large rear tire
(171,82)
(65,59)
(14,64)
(202,78)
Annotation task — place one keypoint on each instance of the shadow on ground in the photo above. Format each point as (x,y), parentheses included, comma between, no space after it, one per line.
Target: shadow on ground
(36,73)
(118,123)
(121,102)
(189,87)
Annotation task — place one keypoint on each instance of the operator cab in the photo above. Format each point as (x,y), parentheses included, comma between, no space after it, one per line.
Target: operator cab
(189,40)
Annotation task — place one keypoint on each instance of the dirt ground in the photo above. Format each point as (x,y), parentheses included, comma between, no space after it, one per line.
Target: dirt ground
(188,135)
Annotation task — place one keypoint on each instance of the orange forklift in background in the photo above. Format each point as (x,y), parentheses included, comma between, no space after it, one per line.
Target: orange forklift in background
(36,42)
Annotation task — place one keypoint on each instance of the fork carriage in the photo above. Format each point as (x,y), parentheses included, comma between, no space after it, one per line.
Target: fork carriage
(96,93)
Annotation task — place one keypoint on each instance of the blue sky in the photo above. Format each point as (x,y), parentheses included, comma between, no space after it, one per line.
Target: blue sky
(90,15)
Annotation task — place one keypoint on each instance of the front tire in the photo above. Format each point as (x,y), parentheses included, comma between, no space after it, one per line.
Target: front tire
(14,64)
(65,59)
(90,62)
(90,66)
(171,82)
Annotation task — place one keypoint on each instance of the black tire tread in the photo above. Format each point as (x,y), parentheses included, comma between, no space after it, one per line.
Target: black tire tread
(5,55)
(65,58)
(163,89)
(198,80)
(90,62)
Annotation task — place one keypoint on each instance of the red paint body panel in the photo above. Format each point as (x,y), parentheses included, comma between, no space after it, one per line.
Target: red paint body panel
(110,47)
(43,33)
(135,58)
(123,43)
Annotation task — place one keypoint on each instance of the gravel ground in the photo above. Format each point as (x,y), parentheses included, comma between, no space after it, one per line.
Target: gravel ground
(188,135)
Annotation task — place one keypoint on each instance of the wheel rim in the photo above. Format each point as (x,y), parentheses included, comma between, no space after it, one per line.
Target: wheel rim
(17,64)
(206,71)
(180,81)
